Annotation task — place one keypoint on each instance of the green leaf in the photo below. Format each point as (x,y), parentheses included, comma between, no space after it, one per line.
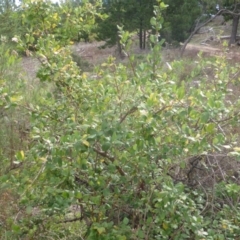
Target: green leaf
(100,230)
(85,142)
(122,238)
(210,127)
(205,117)
(125,221)
(183,164)
(78,195)
(106,146)
(181,92)
(153,21)
(140,234)
(163,5)
(16,228)
(20,155)
(29,210)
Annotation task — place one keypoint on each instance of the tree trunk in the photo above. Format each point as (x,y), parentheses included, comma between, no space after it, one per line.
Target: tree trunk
(234,29)
(140,35)
(119,46)
(144,39)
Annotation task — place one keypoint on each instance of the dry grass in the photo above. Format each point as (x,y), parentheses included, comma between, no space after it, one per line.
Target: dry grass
(9,207)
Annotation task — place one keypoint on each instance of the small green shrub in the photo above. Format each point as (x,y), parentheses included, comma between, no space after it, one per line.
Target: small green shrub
(84,65)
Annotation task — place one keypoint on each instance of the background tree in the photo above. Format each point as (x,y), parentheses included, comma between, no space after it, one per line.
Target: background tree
(143,15)
(133,15)
(232,12)
(210,6)
(179,18)
(8,22)
(230,9)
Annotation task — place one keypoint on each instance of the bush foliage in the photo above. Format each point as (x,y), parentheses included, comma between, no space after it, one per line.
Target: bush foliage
(140,150)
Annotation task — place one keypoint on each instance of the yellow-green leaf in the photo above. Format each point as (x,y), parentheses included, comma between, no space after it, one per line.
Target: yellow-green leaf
(86,143)
(101,230)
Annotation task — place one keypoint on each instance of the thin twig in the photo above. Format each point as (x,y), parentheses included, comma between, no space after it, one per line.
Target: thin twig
(112,159)
(162,109)
(72,220)
(132,110)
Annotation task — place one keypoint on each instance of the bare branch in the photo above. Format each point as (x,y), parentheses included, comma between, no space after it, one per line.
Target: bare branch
(72,220)
(112,159)
(202,25)
(161,110)
(132,110)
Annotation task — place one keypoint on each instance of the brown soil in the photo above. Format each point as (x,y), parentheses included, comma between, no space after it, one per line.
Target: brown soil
(30,66)
(93,52)
(208,49)
(232,53)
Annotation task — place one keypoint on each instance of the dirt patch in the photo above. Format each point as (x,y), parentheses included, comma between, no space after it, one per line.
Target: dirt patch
(231,53)
(89,52)
(30,66)
(210,49)
(93,52)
